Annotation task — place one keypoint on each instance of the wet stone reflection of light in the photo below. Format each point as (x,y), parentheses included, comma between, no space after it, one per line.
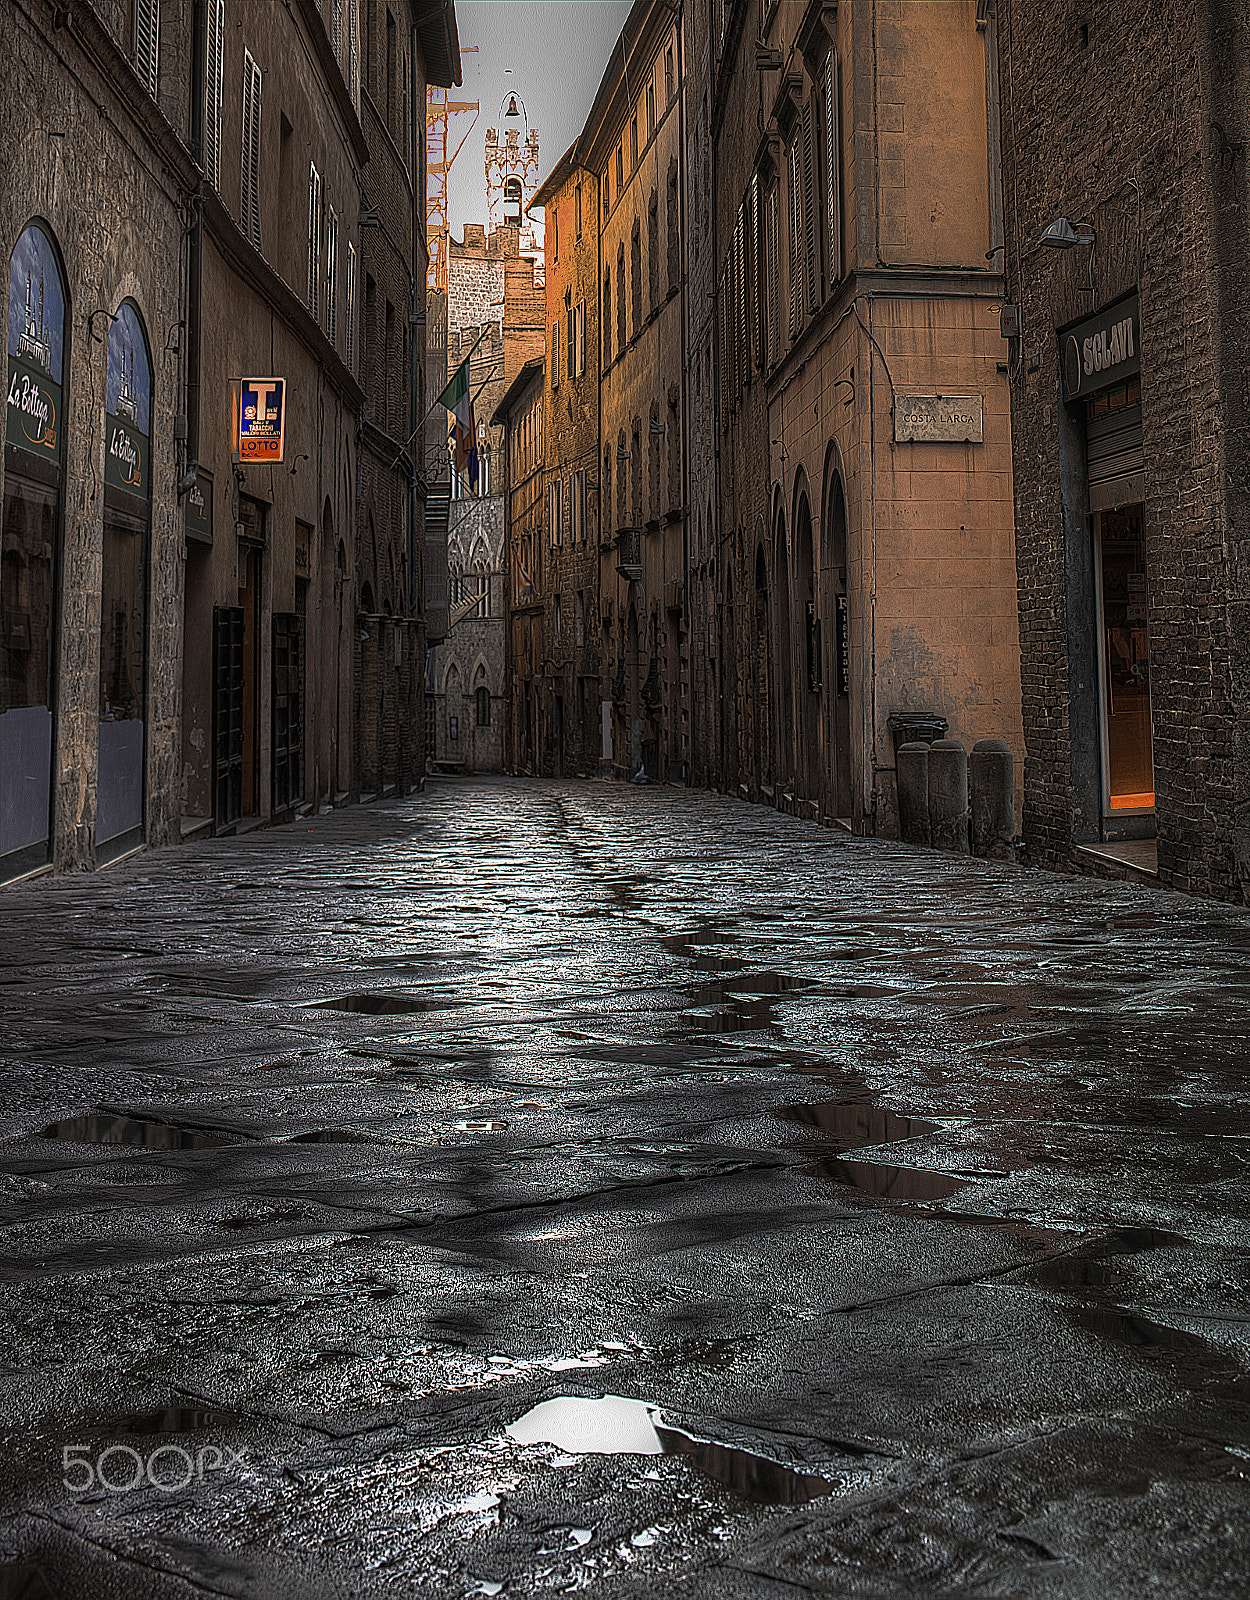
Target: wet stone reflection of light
(382,1003)
(854,1124)
(614,1425)
(887,1183)
(101,1127)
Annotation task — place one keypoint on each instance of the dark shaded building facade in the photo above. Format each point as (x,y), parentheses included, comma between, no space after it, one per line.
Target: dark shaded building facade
(1129,342)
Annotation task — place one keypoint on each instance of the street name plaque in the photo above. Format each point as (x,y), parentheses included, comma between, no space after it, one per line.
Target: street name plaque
(938,418)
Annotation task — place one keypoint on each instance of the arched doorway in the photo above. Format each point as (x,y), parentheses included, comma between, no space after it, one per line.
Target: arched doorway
(836,607)
(783,662)
(124,585)
(809,670)
(761,697)
(633,687)
(29,546)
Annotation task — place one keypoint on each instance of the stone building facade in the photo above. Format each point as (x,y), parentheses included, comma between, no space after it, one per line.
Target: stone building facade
(521,414)
(1129,418)
(633,143)
(863,435)
(495,316)
(180,618)
(573,691)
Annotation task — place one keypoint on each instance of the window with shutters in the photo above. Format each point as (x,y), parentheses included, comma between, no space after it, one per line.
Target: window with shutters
(653,251)
(651,109)
(622,480)
(212,91)
(606,314)
(577,211)
(570,328)
(249,182)
(555,355)
(655,438)
(633,143)
(759,316)
(332,278)
(353,53)
(605,491)
(635,276)
(674,455)
(620,169)
(833,168)
(744,298)
(349,310)
(635,470)
(668,75)
(813,210)
(579,366)
(796,233)
(620,299)
(774,273)
(147,36)
(555,232)
(314,241)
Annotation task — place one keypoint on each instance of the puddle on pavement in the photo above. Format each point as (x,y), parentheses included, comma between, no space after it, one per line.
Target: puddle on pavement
(887,1183)
(24,1582)
(481,1125)
(382,1003)
(168,1419)
(99,1127)
(853,1124)
(616,1426)
(329,1136)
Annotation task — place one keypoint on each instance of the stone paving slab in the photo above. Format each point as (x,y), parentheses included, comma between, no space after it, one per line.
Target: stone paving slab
(908,1192)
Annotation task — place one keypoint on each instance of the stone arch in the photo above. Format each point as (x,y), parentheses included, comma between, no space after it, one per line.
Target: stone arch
(783,662)
(761,655)
(836,604)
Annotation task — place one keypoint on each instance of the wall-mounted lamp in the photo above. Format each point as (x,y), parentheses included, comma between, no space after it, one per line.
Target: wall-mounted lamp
(187,482)
(657,430)
(303,456)
(1061,235)
(99,312)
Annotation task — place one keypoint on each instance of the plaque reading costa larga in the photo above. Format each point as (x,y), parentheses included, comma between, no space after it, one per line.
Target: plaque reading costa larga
(939,418)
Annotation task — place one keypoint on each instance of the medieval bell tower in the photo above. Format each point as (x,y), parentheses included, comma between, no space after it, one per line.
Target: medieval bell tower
(512,175)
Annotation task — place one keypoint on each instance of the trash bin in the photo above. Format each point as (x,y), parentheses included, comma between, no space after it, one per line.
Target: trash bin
(915,727)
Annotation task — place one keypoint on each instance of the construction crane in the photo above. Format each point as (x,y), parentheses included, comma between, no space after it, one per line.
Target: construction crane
(439,112)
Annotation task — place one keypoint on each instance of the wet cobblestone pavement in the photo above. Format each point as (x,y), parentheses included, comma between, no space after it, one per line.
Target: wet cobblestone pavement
(908,1194)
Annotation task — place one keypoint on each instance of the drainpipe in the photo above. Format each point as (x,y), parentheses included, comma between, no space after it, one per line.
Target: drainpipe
(199,57)
(717,533)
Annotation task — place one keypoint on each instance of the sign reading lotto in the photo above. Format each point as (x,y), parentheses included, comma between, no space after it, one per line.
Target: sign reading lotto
(262,419)
(36,338)
(128,405)
(1101,351)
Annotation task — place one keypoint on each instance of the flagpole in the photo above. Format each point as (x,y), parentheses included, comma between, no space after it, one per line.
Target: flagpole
(437,403)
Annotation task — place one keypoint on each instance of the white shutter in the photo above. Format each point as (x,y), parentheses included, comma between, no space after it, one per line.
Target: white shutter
(212,91)
(249,200)
(332,278)
(349,310)
(147,15)
(833,167)
(336,30)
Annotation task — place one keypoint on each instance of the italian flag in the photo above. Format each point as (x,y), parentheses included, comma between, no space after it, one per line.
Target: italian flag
(456,398)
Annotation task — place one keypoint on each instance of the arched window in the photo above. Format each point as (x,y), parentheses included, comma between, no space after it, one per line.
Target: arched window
(512,200)
(483,707)
(123,632)
(37,325)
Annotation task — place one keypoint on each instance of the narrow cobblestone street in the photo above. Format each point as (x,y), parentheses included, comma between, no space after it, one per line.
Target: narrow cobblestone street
(907,1191)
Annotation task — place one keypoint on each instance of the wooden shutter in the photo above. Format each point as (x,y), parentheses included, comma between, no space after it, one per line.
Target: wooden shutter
(774,285)
(314,241)
(581,337)
(796,234)
(759,327)
(249,208)
(812,209)
(833,167)
(148,43)
(353,32)
(212,91)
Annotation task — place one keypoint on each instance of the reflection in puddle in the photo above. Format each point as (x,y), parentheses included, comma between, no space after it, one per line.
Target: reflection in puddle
(887,1183)
(99,1127)
(1140,1332)
(854,1124)
(329,1136)
(382,1003)
(616,1426)
(481,1125)
(169,1419)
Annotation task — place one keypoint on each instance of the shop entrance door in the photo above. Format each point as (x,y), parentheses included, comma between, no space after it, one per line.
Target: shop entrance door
(288,709)
(229,686)
(29,590)
(123,679)
(1124,670)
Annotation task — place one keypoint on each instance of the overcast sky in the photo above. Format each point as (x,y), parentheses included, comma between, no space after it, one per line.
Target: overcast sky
(551,53)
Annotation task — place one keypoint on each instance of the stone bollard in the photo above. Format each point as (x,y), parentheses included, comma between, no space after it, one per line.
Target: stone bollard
(948,796)
(991,779)
(912,772)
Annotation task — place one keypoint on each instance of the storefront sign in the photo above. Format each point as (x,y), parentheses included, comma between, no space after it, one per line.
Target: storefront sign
(199,508)
(842,646)
(262,419)
(127,406)
(1103,350)
(939,418)
(36,337)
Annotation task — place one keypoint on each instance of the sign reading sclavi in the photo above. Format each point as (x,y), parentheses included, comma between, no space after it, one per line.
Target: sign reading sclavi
(939,418)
